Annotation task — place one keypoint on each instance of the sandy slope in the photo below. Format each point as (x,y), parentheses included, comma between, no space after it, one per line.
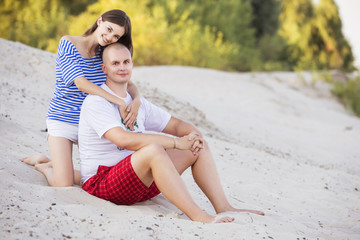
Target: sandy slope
(280,145)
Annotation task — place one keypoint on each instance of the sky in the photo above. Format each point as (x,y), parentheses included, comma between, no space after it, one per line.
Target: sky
(350,17)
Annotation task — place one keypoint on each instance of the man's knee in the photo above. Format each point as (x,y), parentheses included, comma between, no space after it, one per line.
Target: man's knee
(205,145)
(154,150)
(204,150)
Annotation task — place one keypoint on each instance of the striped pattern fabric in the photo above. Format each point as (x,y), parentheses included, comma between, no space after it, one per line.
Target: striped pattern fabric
(66,103)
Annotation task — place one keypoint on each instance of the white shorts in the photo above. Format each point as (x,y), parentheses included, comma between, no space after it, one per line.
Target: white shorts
(62,129)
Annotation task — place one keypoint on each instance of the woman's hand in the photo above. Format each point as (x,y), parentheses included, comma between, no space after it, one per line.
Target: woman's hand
(132,113)
(122,108)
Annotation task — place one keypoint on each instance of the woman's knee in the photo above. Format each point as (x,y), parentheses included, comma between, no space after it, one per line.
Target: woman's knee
(63,183)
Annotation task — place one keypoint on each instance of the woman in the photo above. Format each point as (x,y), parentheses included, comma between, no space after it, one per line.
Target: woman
(78,73)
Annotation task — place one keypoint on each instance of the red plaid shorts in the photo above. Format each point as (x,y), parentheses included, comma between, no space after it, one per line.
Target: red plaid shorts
(119,184)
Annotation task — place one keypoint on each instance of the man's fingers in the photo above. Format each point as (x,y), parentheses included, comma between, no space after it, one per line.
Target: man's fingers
(195,143)
(193,135)
(198,144)
(196,151)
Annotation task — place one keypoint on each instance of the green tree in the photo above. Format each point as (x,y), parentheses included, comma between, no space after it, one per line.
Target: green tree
(230,20)
(240,35)
(336,50)
(265,19)
(314,35)
(158,41)
(33,22)
(270,45)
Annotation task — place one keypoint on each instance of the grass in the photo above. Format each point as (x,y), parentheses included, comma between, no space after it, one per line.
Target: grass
(348,92)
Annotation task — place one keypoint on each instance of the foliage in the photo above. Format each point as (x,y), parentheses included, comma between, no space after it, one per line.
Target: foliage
(347,91)
(314,36)
(158,42)
(349,94)
(240,35)
(34,23)
(265,17)
(230,19)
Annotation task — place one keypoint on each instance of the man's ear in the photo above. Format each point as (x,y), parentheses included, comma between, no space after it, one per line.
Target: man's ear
(103,68)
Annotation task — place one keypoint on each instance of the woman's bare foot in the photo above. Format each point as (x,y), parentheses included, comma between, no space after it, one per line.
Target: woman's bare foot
(232,209)
(35,159)
(41,167)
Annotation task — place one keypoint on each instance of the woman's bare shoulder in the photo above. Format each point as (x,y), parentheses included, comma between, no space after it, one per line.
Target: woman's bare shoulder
(74,39)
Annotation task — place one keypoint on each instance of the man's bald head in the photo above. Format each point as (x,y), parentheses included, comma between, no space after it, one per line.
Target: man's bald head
(114,46)
(117,64)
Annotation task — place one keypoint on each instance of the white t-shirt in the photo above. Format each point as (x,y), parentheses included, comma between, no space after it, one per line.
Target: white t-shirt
(97,117)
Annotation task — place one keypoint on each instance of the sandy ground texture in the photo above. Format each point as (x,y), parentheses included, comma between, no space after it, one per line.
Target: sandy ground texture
(282,144)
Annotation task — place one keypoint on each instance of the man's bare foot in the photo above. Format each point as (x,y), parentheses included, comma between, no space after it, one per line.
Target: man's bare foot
(219,219)
(42,167)
(232,209)
(207,218)
(250,211)
(35,159)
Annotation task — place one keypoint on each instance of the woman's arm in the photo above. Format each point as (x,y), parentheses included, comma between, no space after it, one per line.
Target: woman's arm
(86,86)
(133,91)
(133,108)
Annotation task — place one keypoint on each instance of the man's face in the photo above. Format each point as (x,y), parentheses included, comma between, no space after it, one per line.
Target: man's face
(117,64)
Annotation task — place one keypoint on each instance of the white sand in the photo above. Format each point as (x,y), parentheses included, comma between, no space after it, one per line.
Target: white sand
(281,145)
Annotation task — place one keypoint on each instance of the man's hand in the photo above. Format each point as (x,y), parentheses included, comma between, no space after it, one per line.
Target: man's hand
(132,113)
(198,142)
(192,142)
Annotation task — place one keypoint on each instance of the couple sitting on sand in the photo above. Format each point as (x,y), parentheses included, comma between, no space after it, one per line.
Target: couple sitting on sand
(119,162)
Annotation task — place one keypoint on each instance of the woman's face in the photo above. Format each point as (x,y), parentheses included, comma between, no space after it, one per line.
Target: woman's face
(108,32)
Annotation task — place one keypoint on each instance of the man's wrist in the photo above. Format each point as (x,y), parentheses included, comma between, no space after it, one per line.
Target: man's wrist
(174,142)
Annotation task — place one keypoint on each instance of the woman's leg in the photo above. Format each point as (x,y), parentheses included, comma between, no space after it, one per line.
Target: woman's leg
(60,171)
(206,176)
(152,163)
(43,163)
(35,159)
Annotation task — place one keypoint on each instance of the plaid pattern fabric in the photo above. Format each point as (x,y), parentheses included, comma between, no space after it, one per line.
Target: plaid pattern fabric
(119,184)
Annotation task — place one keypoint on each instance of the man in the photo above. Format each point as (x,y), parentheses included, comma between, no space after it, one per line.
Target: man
(122,166)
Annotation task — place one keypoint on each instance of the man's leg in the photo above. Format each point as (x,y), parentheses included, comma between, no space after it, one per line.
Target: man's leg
(206,176)
(152,163)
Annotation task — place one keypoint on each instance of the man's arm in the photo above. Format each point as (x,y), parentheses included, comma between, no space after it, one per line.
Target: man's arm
(179,128)
(135,141)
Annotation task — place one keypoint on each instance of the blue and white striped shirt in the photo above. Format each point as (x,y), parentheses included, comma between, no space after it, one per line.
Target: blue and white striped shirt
(66,103)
